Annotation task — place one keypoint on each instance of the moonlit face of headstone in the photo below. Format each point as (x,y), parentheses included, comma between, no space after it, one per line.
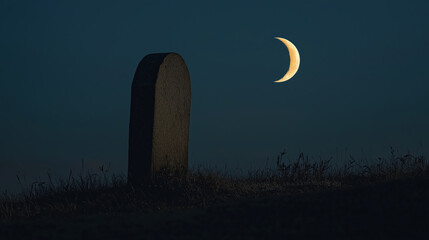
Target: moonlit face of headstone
(159,118)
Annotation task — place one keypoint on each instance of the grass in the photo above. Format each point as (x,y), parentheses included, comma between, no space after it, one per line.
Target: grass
(99,194)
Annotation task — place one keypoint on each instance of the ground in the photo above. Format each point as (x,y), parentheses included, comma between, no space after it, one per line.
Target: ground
(395,209)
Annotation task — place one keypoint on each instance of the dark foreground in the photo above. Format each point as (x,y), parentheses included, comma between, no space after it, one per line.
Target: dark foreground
(398,209)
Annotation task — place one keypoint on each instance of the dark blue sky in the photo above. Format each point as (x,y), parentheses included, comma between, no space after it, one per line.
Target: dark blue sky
(66,71)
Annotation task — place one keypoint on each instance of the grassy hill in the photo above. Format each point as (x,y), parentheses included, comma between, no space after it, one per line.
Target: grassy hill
(299,199)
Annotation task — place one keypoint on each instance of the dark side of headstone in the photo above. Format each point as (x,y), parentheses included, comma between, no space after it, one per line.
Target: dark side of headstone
(159,117)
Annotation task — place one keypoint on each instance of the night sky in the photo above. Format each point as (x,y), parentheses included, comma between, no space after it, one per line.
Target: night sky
(66,71)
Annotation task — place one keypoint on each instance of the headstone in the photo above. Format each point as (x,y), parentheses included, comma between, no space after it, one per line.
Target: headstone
(159,118)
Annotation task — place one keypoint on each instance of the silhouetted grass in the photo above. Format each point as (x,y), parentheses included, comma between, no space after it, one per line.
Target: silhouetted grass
(99,194)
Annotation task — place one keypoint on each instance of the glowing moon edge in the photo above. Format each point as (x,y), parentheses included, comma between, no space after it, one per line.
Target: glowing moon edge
(294,60)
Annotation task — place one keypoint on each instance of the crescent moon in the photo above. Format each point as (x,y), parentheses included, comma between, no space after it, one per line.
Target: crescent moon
(294,60)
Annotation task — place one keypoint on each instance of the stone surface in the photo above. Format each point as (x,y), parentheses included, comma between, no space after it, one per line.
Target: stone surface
(159,117)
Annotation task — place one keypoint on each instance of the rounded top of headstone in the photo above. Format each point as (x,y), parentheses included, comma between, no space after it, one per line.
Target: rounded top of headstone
(149,67)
